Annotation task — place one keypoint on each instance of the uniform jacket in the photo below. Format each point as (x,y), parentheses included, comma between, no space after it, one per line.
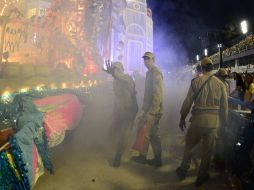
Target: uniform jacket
(211,105)
(153,96)
(125,94)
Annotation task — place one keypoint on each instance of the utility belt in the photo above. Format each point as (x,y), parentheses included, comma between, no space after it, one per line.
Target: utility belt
(156,115)
(205,111)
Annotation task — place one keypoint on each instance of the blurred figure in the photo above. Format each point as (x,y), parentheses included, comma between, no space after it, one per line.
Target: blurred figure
(125,109)
(249,87)
(219,154)
(222,74)
(152,108)
(240,88)
(209,96)
(199,71)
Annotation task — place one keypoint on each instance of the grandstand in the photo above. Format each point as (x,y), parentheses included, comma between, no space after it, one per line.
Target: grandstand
(242,49)
(239,58)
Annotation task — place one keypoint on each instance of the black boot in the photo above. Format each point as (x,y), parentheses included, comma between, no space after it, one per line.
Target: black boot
(139,159)
(201,180)
(155,162)
(117,160)
(181,173)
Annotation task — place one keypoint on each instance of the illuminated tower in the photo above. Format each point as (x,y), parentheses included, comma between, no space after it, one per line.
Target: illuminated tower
(132,33)
(139,34)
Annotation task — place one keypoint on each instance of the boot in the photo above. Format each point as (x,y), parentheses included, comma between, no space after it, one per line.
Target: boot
(156,161)
(117,160)
(181,173)
(201,180)
(141,159)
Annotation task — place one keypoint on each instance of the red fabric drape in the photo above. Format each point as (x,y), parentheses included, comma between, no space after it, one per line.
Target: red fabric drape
(64,113)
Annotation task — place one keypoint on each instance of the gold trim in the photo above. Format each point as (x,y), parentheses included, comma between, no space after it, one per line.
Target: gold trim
(5,146)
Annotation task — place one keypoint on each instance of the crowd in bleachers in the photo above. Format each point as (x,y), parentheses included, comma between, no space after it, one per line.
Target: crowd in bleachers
(244,45)
(244,86)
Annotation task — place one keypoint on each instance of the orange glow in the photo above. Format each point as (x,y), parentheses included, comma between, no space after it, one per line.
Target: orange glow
(40,87)
(6,4)
(42,48)
(90,69)
(68,61)
(64,85)
(53,86)
(23,90)
(6,93)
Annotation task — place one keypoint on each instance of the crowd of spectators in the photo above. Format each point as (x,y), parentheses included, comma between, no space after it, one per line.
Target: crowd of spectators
(244,86)
(244,45)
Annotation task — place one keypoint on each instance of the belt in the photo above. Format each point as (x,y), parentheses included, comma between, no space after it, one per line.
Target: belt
(205,111)
(158,115)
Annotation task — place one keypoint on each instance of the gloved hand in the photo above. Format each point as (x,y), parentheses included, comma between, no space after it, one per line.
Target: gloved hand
(109,68)
(182,124)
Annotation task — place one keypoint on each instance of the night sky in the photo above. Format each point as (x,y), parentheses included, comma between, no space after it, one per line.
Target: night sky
(186,20)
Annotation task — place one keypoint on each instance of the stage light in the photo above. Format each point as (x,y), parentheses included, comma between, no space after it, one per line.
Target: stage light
(24,90)
(197,57)
(39,88)
(6,96)
(64,85)
(244,27)
(53,86)
(206,52)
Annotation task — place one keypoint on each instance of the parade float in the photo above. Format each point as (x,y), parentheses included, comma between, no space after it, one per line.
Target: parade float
(45,68)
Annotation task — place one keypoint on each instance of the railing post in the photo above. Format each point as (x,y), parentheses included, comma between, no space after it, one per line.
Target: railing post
(221,60)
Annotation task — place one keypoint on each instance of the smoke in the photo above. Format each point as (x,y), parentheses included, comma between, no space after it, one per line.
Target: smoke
(177,28)
(90,142)
(176,42)
(170,53)
(87,147)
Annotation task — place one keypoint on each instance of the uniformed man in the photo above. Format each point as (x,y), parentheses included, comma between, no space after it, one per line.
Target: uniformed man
(220,153)
(210,108)
(222,74)
(152,112)
(125,108)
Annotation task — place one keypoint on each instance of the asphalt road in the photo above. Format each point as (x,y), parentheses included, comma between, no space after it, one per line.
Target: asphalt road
(82,160)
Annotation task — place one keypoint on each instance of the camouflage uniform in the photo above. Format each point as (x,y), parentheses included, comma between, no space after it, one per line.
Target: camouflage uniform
(152,107)
(210,108)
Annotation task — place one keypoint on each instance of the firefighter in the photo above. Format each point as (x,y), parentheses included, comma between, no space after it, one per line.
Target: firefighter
(220,149)
(209,96)
(152,112)
(125,108)
(222,74)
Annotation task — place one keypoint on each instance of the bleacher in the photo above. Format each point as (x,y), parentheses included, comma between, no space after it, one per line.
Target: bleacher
(241,49)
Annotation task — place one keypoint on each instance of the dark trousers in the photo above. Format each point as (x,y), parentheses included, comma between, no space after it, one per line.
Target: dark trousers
(152,136)
(120,133)
(194,135)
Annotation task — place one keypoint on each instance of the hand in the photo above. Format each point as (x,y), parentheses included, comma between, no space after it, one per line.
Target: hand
(182,124)
(141,120)
(109,68)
